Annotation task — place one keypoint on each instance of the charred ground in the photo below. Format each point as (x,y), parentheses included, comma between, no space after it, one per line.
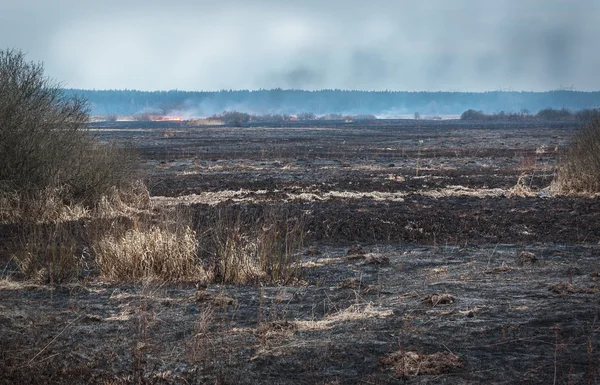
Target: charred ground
(469,268)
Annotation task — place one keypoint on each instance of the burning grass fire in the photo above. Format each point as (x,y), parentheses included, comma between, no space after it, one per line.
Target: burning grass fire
(167,119)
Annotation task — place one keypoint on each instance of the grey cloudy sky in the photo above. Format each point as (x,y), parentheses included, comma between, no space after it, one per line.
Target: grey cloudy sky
(463,45)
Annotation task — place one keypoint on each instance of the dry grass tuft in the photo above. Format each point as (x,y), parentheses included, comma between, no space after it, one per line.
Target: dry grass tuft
(48,205)
(200,347)
(376,259)
(407,364)
(438,299)
(498,269)
(43,206)
(568,288)
(217,300)
(275,327)
(526,258)
(356,284)
(149,253)
(50,254)
(125,238)
(229,251)
(521,189)
(55,239)
(125,201)
(266,249)
(355,250)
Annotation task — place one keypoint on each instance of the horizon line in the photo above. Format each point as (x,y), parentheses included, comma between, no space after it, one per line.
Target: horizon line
(332,89)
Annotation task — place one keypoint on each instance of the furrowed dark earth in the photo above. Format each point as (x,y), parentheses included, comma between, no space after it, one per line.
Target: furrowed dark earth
(435,252)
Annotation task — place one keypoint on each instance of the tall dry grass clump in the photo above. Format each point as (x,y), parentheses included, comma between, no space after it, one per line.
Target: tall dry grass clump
(51,254)
(579,169)
(280,240)
(239,250)
(228,249)
(152,253)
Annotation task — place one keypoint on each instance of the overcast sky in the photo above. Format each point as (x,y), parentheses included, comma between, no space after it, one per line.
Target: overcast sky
(459,45)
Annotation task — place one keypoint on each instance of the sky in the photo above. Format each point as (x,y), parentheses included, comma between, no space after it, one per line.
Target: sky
(403,45)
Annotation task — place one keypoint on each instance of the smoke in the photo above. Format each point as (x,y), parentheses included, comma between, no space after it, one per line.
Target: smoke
(467,45)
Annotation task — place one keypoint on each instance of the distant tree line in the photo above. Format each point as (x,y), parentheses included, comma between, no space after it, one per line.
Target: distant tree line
(282,102)
(544,114)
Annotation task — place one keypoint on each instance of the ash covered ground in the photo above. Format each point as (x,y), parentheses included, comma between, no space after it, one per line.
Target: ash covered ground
(435,252)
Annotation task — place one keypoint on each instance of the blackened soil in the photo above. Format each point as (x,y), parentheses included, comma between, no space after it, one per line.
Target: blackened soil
(459,210)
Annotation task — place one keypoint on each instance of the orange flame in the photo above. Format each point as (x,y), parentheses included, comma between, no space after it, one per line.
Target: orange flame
(167,119)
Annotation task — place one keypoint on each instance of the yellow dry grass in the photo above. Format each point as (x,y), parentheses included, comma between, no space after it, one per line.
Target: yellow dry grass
(153,253)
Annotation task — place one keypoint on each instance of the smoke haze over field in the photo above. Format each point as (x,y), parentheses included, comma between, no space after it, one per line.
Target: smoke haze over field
(462,45)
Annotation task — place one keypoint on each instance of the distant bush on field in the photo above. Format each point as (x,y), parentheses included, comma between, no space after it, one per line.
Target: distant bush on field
(234,118)
(306,116)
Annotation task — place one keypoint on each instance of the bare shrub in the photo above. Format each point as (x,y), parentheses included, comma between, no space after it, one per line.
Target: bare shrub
(45,143)
(98,169)
(579,169)
(234,118)
(521,188)
(306,116)
(473,115)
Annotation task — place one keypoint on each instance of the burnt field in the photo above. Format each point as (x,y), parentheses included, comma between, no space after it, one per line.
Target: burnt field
(433,252)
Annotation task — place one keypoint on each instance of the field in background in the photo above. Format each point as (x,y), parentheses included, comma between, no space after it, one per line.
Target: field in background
(432,251)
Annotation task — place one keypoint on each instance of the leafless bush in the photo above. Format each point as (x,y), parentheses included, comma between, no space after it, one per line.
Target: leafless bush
(332,117)
(44,140)
(579,170)
(306,116)
(235,118)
